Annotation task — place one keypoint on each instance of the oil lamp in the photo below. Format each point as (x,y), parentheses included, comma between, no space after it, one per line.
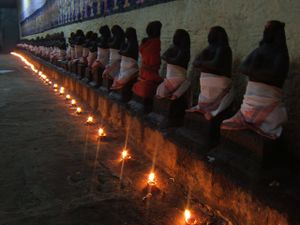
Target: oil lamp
(188,218)
(73,102)
(151,179)
(55,86)
(61,90)
(68,97)
(78,110)
(101,133)
(125,155)
(50,82)
(90,120)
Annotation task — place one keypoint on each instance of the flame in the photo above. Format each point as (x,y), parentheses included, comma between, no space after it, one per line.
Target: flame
(188,218)
(78,110)
(101,132)
(55,86)
(125,154)
(187,215)
(73,102)
(151,178)
(61,90)
(68,97)
(90,120)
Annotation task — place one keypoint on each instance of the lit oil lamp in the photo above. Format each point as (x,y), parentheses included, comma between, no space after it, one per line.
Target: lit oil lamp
(151,179)
(55,86)
(78,110)
(68,97)
(61,90)
(50,82)
(73,102)
(188,218)
(90,120)
(125,155)
(101,133)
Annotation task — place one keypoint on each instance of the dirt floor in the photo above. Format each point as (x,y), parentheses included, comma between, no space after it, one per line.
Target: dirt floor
(54,171)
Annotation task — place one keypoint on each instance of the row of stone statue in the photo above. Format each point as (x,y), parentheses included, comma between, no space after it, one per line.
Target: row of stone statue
(113,57)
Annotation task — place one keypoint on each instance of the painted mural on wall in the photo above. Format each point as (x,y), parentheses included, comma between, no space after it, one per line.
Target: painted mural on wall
(55,13)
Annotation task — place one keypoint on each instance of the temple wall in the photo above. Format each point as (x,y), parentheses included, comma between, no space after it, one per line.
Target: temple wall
(244,22)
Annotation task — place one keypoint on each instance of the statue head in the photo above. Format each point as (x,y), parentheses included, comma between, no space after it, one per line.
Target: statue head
(181,39)
(217,36)
(153,29)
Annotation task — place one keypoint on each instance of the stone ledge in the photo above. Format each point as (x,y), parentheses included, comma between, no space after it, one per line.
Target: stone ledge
(215,184)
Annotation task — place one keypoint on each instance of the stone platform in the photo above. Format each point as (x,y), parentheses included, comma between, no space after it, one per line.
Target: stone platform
(216,184)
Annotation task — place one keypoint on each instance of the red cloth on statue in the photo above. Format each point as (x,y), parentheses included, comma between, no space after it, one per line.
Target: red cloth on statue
(149,72)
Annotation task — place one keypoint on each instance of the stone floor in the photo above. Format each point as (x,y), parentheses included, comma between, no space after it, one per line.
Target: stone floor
(48,168)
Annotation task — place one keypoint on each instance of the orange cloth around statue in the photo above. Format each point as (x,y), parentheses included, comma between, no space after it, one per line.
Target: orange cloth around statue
(149,77)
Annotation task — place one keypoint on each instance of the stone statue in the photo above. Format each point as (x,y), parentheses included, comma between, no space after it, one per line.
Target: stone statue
(113,67)
(129,55)
(92,46)
(177,57)
(266,67)
(150,48)
(102,50)
(215,63)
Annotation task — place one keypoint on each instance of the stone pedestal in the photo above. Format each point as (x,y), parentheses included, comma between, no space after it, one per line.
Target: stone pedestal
(73,68)
(81,70)
(247,153)
(96,80)
(200,134)
(124,94)
(64,65)
(139,105)
(168,113)
(106,85)
(88,75)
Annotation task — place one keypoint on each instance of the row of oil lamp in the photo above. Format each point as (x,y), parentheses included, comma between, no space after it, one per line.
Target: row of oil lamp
(188,217)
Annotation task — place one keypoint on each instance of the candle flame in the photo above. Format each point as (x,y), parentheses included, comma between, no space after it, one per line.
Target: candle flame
(187,215)
(73,102)
(68,97)
(101,132)
(151,178)
(78,110)
(90,120)
(55,86)
(61,90)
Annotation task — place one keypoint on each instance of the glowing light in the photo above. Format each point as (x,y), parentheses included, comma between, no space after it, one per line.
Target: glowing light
(101,132)
(61,90)
(125,154)
(151,179)
(78,110)
(90,120)
(188,218)
(55,86)
(68,97)
(73,102)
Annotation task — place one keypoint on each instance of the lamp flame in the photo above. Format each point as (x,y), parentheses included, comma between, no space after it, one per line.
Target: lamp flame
(68,97)
(101,132)
(151,179)
(78,110)
(125,155)
(73,102)
(188,218)
(61,90)
(55,86)
(90,120)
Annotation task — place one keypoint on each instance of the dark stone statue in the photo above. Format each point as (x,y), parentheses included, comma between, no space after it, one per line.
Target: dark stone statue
(112,68)
(267,67)
(101,61)
(215,63)
(129,55)
(177,58)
